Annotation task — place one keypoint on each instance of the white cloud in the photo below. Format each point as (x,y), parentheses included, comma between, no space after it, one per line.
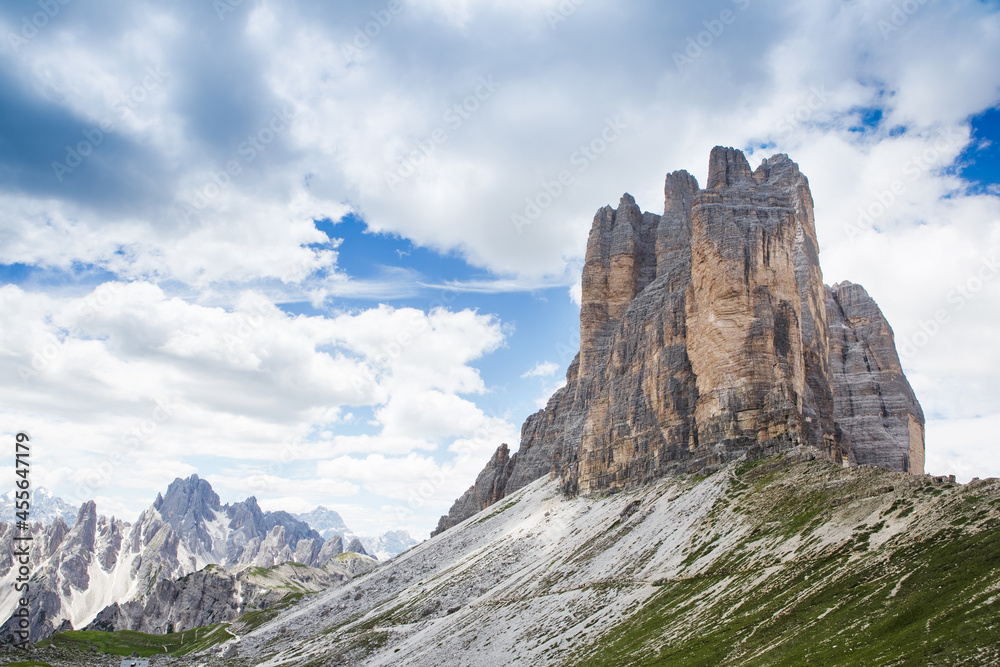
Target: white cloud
(542,369)
(576,293)
(124,385)
(965,448)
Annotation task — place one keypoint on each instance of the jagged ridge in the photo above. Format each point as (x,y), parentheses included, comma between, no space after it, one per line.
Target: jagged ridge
(99,562)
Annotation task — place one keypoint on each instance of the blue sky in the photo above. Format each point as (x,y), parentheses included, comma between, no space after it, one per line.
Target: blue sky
(319,251)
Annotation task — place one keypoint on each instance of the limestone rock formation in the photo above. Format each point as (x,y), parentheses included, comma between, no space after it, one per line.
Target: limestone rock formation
(707,334)
(356,547)
(878,417)
(215,595)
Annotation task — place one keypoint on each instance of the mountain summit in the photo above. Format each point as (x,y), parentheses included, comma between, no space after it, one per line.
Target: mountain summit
(709,344)
(707,334)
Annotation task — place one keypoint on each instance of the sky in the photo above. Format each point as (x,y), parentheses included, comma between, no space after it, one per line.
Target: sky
(320,252)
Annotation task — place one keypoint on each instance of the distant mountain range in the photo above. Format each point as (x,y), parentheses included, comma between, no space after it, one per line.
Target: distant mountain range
(91,565)
(329,524)
(45,507)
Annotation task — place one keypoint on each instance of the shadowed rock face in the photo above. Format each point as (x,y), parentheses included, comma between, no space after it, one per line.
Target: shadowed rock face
(706,334)
(878,417)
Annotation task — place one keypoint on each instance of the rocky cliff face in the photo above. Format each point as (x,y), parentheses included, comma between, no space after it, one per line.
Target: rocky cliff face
(876,414)
(707,334)
(216,595)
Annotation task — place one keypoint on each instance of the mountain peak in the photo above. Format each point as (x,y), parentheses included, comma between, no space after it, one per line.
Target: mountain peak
(328,522)
(88,512)
(707,335)
(45,507)
(188,502)
(727,167)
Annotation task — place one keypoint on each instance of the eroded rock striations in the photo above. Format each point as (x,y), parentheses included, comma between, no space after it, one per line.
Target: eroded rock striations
(707,334)
(875,411)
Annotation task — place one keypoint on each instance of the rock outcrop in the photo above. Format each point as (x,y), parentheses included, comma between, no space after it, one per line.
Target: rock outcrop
(216,595)
(356,547)
(875,411)
(707,334)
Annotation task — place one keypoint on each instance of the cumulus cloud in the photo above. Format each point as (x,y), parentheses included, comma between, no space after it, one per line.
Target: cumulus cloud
(412,99)
(126,384)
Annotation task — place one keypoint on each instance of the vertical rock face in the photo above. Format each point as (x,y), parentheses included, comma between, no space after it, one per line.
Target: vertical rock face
(744,314)
(635,402)
(707,334)
(356,547)
(878,417)
(492,482)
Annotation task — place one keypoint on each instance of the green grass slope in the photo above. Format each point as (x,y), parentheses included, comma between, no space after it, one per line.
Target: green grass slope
(125,642)
(915,582)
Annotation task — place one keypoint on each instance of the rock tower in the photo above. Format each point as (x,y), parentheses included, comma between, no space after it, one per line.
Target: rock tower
(707,334)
